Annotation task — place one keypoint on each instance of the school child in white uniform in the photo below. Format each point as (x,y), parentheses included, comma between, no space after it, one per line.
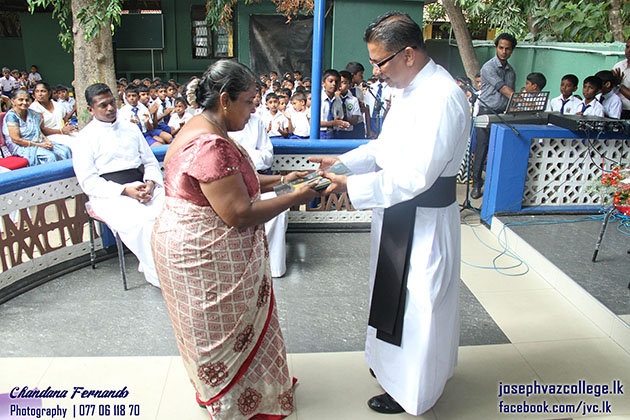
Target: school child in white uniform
(567,103)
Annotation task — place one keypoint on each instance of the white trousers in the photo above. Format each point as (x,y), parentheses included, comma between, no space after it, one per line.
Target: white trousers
(134,223)
(276,230)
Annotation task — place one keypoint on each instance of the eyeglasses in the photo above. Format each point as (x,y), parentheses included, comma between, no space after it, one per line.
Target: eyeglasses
(386,60)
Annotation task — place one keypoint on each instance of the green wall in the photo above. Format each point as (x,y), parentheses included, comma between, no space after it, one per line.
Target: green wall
(554,60)
(175,61)
(41,47)
(13,54)
(351,17)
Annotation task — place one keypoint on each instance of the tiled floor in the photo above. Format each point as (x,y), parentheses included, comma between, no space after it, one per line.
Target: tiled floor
(550,342)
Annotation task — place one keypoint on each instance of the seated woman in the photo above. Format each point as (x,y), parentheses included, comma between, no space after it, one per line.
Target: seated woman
(23,134)
(54,115)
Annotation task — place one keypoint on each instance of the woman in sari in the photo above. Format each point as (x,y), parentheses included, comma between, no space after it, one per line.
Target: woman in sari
(22,131)
(212,259)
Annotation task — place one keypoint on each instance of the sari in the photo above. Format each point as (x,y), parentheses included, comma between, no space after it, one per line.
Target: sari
(30,130)
(217,285)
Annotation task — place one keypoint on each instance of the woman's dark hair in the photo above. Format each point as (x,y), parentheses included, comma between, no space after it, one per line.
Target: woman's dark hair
(395,30)
(46,86)
(18,92)
(94,90)
(228,76)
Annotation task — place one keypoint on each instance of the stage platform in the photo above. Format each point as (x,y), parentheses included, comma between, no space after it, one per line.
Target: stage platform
(568,242)
(84,330)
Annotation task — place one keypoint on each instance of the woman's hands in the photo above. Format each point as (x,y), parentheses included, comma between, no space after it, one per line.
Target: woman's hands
(305,193)
(292,176)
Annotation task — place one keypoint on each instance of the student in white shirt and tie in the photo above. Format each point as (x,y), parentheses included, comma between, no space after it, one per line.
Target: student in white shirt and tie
(567,103)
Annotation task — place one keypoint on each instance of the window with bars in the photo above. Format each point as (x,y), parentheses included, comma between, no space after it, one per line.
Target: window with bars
(207,43)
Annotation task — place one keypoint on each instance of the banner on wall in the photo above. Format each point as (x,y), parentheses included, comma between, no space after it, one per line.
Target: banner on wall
(281,46)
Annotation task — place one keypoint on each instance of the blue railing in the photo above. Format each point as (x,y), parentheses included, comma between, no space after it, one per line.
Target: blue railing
(36,175)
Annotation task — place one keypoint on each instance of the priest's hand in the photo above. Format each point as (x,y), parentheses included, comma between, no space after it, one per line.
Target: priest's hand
(339,183)
(324,161)
(141,192)
(148,187)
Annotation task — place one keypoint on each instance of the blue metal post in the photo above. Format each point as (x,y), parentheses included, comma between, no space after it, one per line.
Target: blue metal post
(316,70)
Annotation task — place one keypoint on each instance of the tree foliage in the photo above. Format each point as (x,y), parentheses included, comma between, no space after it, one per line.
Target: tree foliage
(540,20)
(90,18)
(508,15)
(219,12)
(577,21)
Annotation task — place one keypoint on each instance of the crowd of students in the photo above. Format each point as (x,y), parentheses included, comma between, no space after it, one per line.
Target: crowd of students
(347,102)
(351,108)
(600,94)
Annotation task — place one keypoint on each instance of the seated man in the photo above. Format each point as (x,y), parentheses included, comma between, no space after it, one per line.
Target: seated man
(117,170)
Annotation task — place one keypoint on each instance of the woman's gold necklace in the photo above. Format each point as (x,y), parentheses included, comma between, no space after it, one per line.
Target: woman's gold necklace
(215,123)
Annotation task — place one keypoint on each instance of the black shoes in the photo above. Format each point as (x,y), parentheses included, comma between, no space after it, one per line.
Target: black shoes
(385,404)
(475,193)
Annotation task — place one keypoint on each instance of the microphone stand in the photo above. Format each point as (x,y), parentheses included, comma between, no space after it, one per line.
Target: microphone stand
(467,204)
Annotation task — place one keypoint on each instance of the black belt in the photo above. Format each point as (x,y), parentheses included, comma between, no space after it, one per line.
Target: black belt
(126,175)
(390,284)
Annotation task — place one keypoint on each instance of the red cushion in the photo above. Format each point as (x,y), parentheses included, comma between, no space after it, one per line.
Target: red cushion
(13,162)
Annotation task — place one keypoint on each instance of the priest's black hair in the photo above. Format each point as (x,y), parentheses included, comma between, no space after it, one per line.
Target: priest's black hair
(95,90)
(395,30)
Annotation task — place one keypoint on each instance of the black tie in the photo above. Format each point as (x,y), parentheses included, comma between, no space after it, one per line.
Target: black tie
(563,104)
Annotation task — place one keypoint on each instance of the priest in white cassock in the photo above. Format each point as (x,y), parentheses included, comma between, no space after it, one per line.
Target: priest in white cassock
(255,140)
(117,170)
(407,176)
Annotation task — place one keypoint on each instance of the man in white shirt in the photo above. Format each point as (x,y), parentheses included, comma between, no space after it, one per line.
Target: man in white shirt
(407,176)
(255,140)
(117,170)
(622,76)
